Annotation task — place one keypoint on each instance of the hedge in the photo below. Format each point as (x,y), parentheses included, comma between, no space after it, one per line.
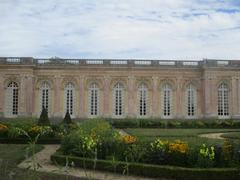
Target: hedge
(25,140)
(161,123)
(148,170)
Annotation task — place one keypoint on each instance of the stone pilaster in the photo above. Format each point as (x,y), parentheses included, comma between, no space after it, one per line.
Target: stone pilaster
(207,96)
(106,97)
(22,96)
(131,94)
(1,96)
(30,95)
(178,99)
(57,101)
(155,98)
(82,108)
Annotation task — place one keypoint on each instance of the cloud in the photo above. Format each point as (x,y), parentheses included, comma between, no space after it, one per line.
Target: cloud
(167,29)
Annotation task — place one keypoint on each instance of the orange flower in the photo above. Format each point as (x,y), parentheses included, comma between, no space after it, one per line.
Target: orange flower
(179,147)
(3,128)
(128,139)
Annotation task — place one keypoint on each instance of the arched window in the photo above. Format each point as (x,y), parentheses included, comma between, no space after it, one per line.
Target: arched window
(69,98)
(118,99)
(167,100)
(223,100)
(93,99)
(45,96)
(142,94)
(191,100)
(12,99)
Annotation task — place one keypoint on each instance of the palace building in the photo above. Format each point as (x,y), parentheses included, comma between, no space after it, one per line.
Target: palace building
(118,88)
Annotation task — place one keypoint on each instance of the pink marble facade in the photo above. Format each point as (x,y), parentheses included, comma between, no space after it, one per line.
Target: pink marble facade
(206,78)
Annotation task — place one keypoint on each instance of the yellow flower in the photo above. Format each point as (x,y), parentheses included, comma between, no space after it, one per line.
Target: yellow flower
(128,139)
(3,128)
(178,146)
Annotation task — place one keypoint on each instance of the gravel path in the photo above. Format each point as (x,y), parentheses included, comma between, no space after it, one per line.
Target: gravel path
(212,135)
(43,158)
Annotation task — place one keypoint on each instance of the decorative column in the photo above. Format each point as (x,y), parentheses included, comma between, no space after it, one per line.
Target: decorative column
(1,96)
(131,95)
(234,98)
(57,97)
(106,97)
(155,98)
(22,96)
(30,95)
(82,108)
(178,96)
(209,97)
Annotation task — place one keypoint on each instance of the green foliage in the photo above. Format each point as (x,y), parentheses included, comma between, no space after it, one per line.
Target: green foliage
(67,119)
(206,156)
(154,171)
(88,135)
(14,132)
(23,123)
(43,120)
(44,131)
(161,123)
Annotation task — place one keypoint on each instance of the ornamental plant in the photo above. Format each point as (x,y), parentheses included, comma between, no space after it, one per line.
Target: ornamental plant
(67,119)
(228,151)
(178,147)
(42,130)
(128,139)
(159,145)
(3,130)
(158,152)
(43,120)
(206,156)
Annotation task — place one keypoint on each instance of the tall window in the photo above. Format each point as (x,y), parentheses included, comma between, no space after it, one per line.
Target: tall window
(94,99)
(12,98)
(191,100)
(68,94)
(223,100)
(142,93)
(118,99)
(44,96)
(167,100)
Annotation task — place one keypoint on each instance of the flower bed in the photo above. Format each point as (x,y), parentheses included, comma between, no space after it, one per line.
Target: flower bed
(15,132)
(97,139)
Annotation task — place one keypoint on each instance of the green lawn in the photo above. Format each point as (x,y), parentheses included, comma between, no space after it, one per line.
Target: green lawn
(189,135)
(232,135)
(13,154)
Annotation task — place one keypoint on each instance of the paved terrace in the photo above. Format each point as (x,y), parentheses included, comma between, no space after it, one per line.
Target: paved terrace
(119,62)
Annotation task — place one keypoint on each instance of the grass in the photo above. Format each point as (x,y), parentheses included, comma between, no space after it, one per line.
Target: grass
(11,155)
(188,135)
(232,135)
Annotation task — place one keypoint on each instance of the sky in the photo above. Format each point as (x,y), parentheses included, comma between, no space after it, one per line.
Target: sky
(123,29)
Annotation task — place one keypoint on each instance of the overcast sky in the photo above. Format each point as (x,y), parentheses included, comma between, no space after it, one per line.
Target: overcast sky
(147,29)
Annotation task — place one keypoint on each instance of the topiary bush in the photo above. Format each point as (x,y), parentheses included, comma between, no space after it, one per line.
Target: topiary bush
(67,119)
(44,120)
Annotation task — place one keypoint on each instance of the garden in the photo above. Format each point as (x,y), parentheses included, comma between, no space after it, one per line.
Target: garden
(154,148)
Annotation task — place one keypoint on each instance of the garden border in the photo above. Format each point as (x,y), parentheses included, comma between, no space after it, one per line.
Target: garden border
(25,141)
(148,170)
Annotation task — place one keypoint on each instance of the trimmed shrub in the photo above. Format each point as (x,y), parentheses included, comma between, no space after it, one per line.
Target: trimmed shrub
(43,120)
(67,119)
(154,171)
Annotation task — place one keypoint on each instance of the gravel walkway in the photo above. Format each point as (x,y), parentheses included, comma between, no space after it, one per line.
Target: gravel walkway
(212,135)
(43,158)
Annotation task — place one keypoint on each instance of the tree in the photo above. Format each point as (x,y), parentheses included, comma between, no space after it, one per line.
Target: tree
(43,120)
